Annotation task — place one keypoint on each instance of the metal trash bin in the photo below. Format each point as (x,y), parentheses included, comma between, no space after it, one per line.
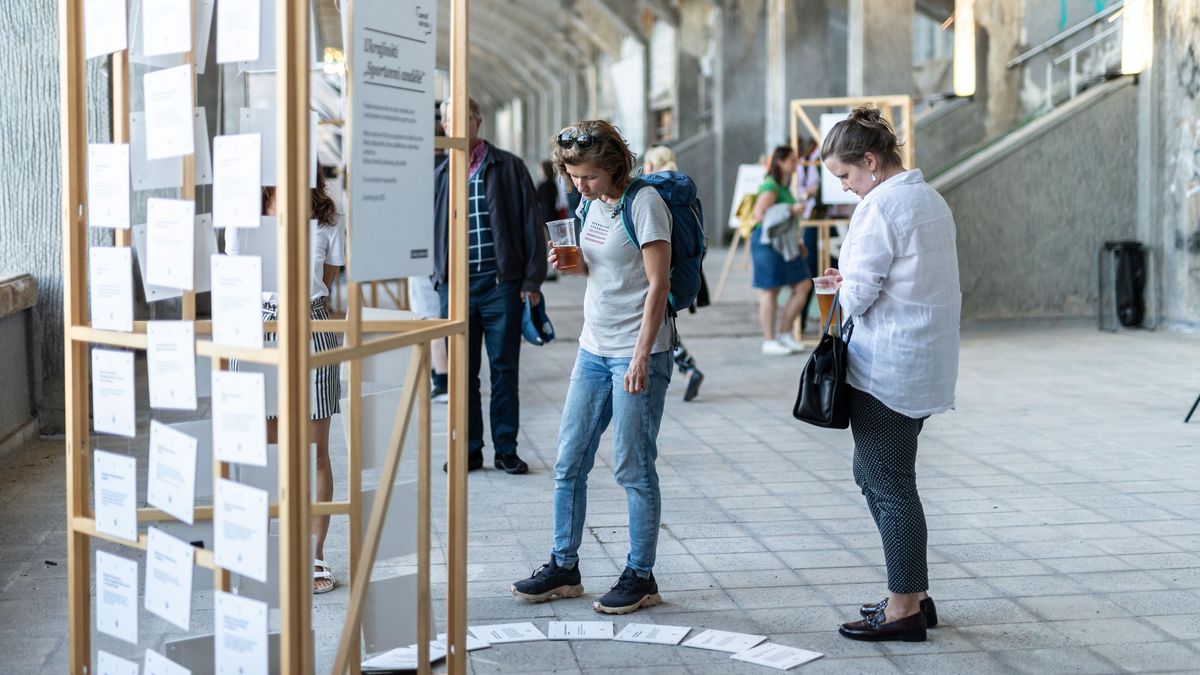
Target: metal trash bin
(1123,272)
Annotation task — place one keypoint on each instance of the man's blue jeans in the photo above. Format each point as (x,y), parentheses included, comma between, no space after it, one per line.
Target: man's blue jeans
(494,313)
(596,397)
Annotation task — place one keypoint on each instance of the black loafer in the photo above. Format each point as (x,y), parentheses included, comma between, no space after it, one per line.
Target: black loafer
(927,608)
(510,463)
(873,629)
(474,461)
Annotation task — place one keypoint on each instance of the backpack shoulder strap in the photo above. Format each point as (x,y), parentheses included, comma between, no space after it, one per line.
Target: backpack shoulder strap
(627,197)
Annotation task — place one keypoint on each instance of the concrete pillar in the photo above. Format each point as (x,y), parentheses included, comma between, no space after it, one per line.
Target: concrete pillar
(810,60)
(879,47)
(775,103)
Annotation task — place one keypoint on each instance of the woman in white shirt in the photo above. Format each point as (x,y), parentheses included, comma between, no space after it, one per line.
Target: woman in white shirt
(327,253)
(899,282)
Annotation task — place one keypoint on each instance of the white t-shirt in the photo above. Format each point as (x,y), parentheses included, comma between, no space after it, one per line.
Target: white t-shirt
(327,246)
(899,270)
(617,284)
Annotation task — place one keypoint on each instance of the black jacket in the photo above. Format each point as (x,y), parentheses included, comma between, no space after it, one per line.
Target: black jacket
(516,222)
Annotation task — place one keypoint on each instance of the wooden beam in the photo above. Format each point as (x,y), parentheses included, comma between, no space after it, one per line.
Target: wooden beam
(73,110)
(417,369)
(380,345)
(293,204)
(152,515)
(354,461)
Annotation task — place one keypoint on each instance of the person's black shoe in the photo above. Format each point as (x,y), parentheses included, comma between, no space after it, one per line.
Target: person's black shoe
(873,629)
(927,608)
(693,379)
(548,582)
(629,594)
(439,394)
(474,461)
(510,463)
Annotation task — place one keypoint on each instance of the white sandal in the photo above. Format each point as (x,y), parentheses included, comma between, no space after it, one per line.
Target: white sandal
(322,570)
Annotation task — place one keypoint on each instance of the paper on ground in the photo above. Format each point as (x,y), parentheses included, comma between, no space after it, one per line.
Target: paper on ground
(580,630)
(110,276)
(116,596)
(157,664)
(652,634)
(502,633)
(171,482)
(115,494)
(169,577)
(403,658)
(473,642)
(777,656)
(724,641)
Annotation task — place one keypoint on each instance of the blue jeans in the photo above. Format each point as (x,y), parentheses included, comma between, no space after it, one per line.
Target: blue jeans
(494,319)
(596,397)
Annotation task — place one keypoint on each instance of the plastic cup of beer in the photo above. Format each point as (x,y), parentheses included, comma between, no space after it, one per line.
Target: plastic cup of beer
(566,247)
(825,289)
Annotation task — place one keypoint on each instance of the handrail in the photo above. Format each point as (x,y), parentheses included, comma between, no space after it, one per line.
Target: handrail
(1102,14)
(1100,37)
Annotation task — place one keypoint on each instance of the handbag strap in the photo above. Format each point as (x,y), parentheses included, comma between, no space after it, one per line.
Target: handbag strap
(835,308)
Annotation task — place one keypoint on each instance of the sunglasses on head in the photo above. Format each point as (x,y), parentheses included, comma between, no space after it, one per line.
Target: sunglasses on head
(573,136)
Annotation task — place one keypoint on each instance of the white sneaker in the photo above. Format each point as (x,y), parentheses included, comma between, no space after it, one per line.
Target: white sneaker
(775,348)
(791,343)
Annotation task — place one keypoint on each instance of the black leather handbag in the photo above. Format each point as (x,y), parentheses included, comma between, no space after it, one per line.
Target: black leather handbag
(823,399)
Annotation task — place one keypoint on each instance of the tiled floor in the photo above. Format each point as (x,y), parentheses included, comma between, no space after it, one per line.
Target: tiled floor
(1061,497)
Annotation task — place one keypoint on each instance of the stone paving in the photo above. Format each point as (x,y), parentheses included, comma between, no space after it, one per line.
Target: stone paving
(1061,497)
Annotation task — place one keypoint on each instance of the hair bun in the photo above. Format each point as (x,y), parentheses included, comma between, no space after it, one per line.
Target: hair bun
(867,117)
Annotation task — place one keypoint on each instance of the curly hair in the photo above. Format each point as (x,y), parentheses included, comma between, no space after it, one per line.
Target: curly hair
(323,208)
(865,130)
(610,153)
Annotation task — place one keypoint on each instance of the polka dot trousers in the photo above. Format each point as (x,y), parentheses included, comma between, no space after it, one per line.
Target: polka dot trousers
(885,458)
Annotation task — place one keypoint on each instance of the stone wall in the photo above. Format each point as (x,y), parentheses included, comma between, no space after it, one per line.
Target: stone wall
(30,203)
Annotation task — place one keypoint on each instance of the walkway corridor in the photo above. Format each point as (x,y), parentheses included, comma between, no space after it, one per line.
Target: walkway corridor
(1061,496)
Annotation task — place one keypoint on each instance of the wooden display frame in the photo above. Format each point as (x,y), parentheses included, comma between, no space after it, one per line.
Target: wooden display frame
(292,358)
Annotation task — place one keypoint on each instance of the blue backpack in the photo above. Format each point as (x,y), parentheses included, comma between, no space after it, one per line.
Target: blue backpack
(688,244)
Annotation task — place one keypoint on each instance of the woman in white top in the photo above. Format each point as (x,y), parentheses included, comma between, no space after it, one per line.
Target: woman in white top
(327,249)
(622,369)
(899,282)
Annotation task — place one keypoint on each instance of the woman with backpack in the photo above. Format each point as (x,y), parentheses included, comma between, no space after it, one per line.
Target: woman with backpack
(622,369)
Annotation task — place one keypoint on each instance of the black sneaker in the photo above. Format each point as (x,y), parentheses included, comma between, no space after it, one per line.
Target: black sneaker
(694,378)
(548,582)
(510,463)
(629,594)
(439,394)
(474,461)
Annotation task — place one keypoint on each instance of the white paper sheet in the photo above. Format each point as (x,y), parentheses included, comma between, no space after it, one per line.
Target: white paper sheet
(171,482)
(237,180)
(166,27)
(108,185)
(652,634)
(261,121)
(103,27)
(203,27)
(202,167)
(170,238)
(116,596)
(111,664)
(776,656)
(157,664)
(204,247)
(115,494)
(237,31)
(240,529)
(201,30)
(724,641)
(473,642)
(237,300)
(241,635)
(239,417)
(169,577)
(113,408)
(171,363)
(170,131)
(580,630)
(110,276)
(403,658)
(501,633)
(150,174)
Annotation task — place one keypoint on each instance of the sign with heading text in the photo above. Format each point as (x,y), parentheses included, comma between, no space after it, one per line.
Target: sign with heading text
(390,156)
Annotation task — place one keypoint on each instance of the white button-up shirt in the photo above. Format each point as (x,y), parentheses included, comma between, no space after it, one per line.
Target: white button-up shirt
(899,271)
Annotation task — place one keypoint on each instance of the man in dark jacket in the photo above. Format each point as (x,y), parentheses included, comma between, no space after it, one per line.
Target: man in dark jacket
(506,263)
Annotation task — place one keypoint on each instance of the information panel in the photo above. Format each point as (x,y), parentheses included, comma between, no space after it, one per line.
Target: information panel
(390,157)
